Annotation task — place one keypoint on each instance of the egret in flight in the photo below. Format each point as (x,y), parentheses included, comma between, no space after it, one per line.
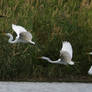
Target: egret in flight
(65,55)
(22,35)
(90,71)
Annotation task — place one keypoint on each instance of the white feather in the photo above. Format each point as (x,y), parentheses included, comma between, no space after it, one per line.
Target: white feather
(22,35)
(67,47)
(18,29)
(90,71)
(90,53)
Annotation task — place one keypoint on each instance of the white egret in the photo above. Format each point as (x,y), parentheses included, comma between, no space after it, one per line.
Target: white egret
(22,35)
(90,71)
(65,54)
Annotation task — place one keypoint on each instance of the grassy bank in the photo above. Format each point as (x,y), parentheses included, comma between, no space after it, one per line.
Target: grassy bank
(50,22)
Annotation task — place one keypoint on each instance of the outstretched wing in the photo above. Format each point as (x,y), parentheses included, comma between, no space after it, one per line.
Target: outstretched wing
(18,29)
(67,47)
(26,36)
(90,71)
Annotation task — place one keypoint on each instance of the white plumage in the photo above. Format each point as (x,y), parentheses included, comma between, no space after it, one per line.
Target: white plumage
(67,47)
(90,53)
(18,29)
(90,71)
(22,35)
(65,53)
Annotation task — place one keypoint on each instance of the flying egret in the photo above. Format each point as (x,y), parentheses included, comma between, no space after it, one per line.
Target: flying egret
(22,35)
(65,54)
(90,71)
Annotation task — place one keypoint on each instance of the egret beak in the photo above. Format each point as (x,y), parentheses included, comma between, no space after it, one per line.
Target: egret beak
(39,57)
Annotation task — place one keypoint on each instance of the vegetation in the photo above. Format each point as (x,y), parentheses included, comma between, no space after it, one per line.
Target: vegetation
(50,22)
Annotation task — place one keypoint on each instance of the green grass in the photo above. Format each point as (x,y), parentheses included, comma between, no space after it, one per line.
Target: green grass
(50,22)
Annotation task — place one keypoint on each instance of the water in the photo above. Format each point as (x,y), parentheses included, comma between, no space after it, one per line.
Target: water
(44,87)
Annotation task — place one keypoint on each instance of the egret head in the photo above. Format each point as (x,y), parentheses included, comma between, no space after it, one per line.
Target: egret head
(32,42)
(59,60)
(7,34)
(71,63)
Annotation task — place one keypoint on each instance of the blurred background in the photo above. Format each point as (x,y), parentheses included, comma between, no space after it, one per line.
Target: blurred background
(51,22)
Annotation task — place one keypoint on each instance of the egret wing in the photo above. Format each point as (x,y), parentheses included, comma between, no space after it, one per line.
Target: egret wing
(90,71)
(26,36)
(67,47)
(18,29)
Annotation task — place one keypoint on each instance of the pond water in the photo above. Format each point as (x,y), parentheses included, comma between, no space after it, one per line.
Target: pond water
(44,87)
